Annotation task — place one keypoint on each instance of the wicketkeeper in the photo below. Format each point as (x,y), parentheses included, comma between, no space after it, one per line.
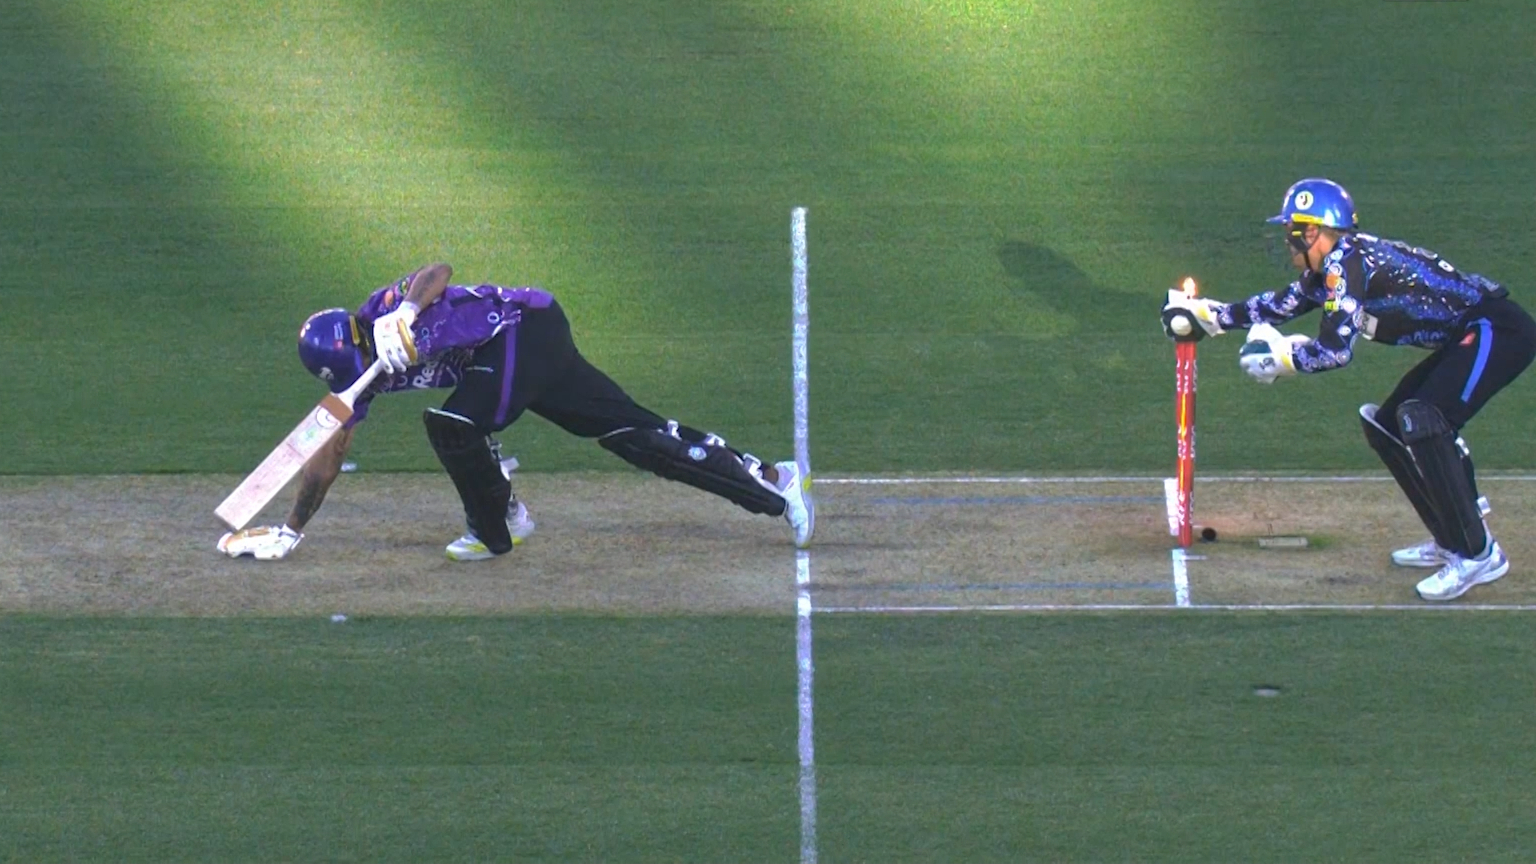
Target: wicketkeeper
(1389,292)
(503,351)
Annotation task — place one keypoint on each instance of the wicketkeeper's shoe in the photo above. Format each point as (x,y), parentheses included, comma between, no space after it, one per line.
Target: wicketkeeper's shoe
(469,547)
(1426,554)
(799,506)
(1462,574)
(1432,554)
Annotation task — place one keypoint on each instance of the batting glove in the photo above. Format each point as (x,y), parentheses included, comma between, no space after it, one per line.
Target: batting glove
(264,544)
(1269,354)
(1203,311)
(392,339)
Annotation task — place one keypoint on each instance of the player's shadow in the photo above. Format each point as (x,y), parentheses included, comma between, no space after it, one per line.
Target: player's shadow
(1052,279)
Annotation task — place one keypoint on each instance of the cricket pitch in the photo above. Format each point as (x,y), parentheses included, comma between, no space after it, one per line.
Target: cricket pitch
(629,543)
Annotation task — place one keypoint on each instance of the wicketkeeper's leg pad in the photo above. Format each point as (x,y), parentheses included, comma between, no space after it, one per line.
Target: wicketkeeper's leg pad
(1447,484)
(469,459)
(708,464)
(1394,454)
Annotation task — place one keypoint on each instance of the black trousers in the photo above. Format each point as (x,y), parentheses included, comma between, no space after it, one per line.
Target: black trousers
(535,367)
(1459,378)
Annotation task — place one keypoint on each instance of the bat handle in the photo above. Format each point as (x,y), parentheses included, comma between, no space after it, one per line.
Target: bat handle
(350,394)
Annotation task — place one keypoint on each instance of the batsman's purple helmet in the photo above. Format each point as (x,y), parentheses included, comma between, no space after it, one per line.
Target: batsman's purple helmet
(331,348)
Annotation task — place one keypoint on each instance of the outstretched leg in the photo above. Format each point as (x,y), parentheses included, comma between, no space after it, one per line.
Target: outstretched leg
(708,464)
(584,401)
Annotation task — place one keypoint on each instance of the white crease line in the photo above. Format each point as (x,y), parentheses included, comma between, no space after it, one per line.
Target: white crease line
(806,702)
(1171,502)
(1243,478)
(1180,578)
(1194,607)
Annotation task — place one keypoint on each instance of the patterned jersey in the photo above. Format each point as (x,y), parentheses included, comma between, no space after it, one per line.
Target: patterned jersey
(447,332)
(1384,290)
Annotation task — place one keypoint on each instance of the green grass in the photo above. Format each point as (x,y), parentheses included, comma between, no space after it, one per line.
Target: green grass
(528,739)
(998,193)
(1140,739)
(1079,738)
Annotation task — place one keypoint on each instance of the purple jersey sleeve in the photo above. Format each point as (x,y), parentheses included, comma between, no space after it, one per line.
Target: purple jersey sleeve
(446,333)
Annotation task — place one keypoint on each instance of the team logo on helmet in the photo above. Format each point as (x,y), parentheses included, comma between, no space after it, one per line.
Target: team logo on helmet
(329,347)
(1303,200)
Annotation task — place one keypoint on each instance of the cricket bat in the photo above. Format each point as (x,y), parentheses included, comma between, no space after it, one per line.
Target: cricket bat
(262,485)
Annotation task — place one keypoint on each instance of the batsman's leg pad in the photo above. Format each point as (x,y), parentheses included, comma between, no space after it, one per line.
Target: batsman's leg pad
(1394,454)
(467,456)
(707,464)
(1432,441)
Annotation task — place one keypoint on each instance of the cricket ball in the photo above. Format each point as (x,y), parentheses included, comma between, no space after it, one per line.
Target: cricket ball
(1208,534)
(1181,326)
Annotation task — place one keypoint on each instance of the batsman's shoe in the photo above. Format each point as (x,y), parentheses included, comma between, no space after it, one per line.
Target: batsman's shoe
(469,547)
(1462,574)
(799,506)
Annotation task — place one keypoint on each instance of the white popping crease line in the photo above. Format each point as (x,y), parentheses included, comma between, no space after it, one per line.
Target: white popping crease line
(805,704)
(853,480)
(1193,607)
(1180,578)
(800,314)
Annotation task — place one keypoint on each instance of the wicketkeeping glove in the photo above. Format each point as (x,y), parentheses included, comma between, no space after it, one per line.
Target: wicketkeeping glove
(1269,354)
(267,543)
(1199,308)
(392,339)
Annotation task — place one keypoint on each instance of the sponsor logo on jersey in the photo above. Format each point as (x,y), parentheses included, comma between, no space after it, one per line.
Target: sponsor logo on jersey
(1337,287)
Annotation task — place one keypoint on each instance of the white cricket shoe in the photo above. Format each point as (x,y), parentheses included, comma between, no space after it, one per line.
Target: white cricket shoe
(469,547)
(799,506)
(1426,554)
(1460,575)
(1432,554)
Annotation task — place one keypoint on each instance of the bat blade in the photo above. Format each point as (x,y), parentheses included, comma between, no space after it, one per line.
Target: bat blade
(284,462)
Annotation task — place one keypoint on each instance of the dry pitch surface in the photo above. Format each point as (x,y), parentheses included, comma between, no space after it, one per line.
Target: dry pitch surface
(631,543)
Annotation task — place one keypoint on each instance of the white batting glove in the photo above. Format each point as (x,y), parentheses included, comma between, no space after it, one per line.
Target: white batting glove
(1269,354)
(392,339)
(268,543)
(1203,310)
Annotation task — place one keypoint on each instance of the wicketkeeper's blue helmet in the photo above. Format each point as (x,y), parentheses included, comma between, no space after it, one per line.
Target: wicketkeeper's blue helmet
(331,348)
(1316,201)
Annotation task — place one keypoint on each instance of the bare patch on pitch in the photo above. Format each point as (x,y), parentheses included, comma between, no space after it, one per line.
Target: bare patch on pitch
(970,544)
